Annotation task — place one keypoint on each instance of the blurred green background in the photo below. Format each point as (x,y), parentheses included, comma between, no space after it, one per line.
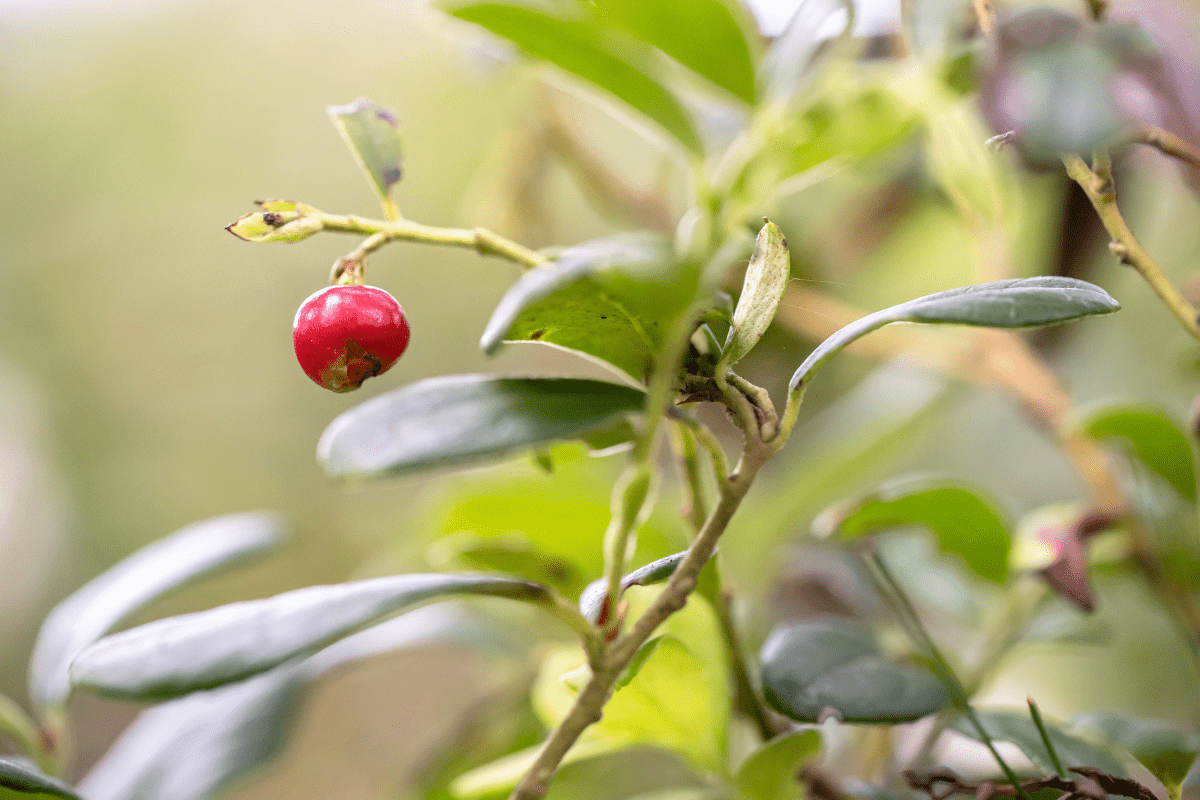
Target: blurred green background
(147,378)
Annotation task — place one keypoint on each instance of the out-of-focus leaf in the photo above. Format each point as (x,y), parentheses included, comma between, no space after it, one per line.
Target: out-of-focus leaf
(788,65)
(770,772)
(1051,82)
(1154,438)
(766,278)
(1019,729)
(1165,751)
(964,523)
(192,748)
(151,572)
(592,597)
(833,666)
(1019,303)
(581,47)
(611,299)
(703,35)
(1061,624)
(467,419)
(197,651)
(20,780)
(372,134)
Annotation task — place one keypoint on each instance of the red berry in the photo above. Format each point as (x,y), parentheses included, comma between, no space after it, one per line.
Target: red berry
(346,334)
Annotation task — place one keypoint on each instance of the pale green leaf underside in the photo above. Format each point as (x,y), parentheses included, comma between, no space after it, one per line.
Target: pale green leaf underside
(1018,303)
(178,655)
(467,419)
(592,597)
(766,279)
(156,569)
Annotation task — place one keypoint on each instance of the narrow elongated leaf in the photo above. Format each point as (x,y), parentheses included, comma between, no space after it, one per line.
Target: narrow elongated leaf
(1168,753)
(467,419)
(372,134)
(1154,439)
(20,780)
(819,667)
(788,65)
(964,523)
(193,747)
(770,773)
(592,597)
(151,572)
(1019,729)
(703,35)
(1019,303)
(178,655)
(766,278)
(611,299)
(581,47)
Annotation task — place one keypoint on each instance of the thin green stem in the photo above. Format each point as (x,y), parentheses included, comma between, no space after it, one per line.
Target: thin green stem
(16,725)
(589,703)
(695,508)
(906,612)
(482,240)
(1049,745)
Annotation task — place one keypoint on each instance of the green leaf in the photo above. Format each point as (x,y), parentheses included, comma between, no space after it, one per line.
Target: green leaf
(1019,729)
(192,748)
(271,226)
(817,667)
(20,780)
(1165,751)
(769,773)
(372,134)
(658,571)
(466,419)
(703,35)
(143,577)
(1154,439)
(1019,303)
(611,299)
(582,48)
(183,654)
(766,279)
(964,523)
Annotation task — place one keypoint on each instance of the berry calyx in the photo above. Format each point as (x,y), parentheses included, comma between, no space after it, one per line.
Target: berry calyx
(346,334)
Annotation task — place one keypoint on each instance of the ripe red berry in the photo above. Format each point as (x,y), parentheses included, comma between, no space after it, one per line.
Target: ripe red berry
(346,334)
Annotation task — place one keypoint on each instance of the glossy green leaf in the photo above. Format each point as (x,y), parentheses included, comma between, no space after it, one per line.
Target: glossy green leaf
(467,419)
(148,574)
(658,571)
(372,134)
(1019,729)
(1168,753)
(965,524)
(193,747)
(582,48)
(770,772)
(1018,303)
(814,668)
(1154,439)
(183,654)
(20,780)
(703,35)
(766,279)
(610,299)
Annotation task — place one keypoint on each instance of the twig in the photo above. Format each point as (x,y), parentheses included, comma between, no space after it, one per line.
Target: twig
(590,700)
(1049,745)
(1125,246)
(1169,143)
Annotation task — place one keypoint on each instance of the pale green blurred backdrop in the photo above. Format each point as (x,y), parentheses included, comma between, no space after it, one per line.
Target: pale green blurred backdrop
(146,371)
